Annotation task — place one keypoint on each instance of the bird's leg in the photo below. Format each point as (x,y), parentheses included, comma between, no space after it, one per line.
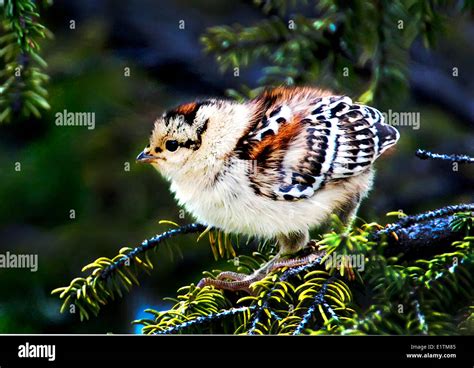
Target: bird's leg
(292,243)
(289,245)
(347,213)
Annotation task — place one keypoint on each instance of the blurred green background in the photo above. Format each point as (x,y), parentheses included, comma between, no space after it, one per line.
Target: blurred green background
(73,168)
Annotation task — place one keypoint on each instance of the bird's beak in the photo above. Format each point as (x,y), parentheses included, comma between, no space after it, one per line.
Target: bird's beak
(145,158)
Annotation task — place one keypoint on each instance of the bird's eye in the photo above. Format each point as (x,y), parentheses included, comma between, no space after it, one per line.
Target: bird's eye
(172,145)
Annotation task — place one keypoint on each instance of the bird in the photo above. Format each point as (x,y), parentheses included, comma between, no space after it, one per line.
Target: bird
(271,167)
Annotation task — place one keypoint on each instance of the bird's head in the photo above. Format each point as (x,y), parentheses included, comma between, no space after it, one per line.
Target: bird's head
(178,136)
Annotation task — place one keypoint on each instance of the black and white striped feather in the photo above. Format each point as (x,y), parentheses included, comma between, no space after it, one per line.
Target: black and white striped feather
(343,139)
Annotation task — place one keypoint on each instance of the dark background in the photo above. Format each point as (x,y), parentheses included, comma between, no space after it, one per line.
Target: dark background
(66,168)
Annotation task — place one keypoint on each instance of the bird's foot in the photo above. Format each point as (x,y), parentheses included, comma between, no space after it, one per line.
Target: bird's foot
(235,281)
(232,281)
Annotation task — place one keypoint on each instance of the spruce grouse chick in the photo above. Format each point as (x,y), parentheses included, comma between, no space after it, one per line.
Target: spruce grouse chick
(272,167)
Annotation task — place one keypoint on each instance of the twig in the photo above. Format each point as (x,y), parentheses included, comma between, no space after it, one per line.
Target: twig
(213,317)
(318,300)
(151,243)
(462,159)
(426,216)
(424,234)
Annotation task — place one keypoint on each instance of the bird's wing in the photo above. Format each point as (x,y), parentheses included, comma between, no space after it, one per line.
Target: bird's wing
(299,148)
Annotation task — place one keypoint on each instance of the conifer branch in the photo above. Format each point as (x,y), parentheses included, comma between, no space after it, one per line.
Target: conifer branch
(428,233)
(286,301)
(148,244)
(22,78)
(358,50)
(211,318)
(318,302)
(109,277)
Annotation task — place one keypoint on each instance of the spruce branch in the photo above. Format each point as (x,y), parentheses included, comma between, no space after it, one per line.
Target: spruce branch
(359,50)
(314,298)
(318,302)
(109,277)
(148,244)
(22,78)
(428,233)
(271,310)
(418,297)
(204,306)
(211,318)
